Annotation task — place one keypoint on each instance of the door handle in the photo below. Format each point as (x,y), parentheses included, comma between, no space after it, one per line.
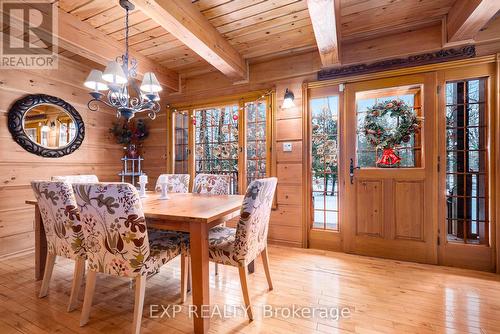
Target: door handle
(351,171)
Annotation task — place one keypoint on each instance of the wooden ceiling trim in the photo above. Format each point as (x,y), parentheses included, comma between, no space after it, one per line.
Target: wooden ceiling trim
(184,21)
(467,17)
(325,20)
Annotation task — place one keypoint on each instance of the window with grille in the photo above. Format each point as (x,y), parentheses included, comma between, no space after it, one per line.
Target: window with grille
(324,161)
(216,142)
(256,128)
(181,142)
(409,152)
(466,162)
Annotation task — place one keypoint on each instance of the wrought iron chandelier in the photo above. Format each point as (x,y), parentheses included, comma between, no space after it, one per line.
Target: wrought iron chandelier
(117,78)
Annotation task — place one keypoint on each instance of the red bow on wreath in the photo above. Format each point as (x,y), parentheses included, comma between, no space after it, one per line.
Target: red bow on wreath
(388,157)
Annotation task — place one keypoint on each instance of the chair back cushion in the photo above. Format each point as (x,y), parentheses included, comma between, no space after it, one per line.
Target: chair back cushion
(253,225)
(76,178)
(60,217)
(176,183)
(211,184)
(114,228)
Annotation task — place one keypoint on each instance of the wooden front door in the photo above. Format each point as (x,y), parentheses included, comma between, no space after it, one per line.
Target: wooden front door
(391,212)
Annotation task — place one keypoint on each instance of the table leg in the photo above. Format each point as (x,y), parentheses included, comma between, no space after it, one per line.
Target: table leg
(200,277)
(40,245)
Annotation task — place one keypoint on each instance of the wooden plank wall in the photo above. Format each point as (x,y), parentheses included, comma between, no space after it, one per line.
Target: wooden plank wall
(98,154)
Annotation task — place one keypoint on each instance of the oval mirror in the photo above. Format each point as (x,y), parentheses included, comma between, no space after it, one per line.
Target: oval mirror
(46,125)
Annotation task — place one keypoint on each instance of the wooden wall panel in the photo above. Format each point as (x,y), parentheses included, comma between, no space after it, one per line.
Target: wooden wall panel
(294,156)
(369,208)
(289,129)
(98,154)
(409,210)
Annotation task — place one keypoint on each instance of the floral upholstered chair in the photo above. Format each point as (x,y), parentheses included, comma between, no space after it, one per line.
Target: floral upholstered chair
(176,183)
(241,245)
(119,243)
(61,222)
(211,184)
(76,178)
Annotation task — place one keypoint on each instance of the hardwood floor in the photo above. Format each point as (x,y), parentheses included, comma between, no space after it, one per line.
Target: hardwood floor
(383,296)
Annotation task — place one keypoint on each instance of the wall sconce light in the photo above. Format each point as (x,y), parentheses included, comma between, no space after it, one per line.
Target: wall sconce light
(288,101)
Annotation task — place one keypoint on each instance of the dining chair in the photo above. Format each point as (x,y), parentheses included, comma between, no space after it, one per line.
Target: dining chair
(61,222)
(213,184)
(241,245)
(119,243)
(76,178)
(176,183)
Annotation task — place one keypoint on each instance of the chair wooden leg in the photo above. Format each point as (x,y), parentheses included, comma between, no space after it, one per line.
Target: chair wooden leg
(49,267)
(140,289)
(184,277)
(77,283)
(89,295)
(244,289)
(265,262)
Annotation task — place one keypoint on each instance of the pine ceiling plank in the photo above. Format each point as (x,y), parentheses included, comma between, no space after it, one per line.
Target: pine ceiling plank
(230,7)
(207,4)
(183,20)
(467,17)
(248,12)
(281,29)
(91,9)
(69,5)
(325,20)
(112,14)
(148,36)
(137,29)
(134,18)
(155,42)
(261,17)
(269,25)
(393,15)
(293,39)
(163,47)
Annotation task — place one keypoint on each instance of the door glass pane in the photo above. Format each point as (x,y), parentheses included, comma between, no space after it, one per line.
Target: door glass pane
(181,129)
(324,159)
(216,142)
(256,121)
(466,162)
(381,137)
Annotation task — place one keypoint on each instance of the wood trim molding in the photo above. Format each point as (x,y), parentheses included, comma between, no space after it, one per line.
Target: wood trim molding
(384,65)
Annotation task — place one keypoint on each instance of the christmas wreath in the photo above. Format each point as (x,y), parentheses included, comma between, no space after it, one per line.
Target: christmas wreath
(408,124)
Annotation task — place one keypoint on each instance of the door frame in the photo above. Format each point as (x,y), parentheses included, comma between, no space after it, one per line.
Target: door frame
(478,257)
(317,238)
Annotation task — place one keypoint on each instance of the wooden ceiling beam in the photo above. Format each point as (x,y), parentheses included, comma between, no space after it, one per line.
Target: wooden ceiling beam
(466,18)
(184,21)
(325,18)
(83,39)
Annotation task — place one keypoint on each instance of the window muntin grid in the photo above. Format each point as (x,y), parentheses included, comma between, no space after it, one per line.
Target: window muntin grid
(256,127)
(324,162)
(216,142)
(181,142)
(366,154)
(466,162)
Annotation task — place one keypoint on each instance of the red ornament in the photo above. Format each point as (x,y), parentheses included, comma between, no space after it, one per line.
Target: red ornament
(235,117)
(194,121)
(388,157)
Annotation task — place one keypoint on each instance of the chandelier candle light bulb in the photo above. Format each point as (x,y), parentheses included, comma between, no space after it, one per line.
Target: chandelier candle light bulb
(163,186)
(143,180)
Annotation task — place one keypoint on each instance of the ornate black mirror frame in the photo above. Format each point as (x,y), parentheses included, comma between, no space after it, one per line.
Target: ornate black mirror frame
(16,120)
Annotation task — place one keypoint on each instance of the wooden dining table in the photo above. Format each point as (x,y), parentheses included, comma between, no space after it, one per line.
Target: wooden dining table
(193,213)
